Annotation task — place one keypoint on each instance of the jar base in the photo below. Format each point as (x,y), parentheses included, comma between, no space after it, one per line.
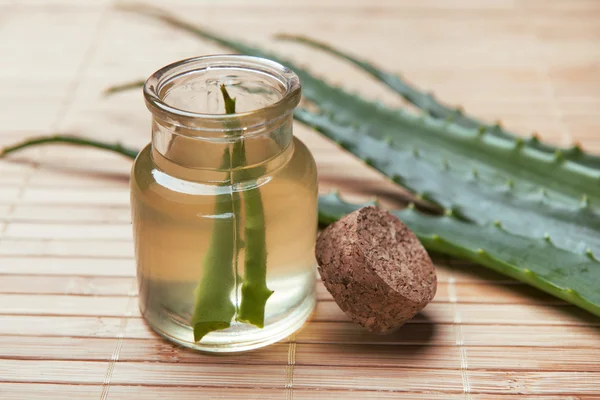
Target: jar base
(242,341)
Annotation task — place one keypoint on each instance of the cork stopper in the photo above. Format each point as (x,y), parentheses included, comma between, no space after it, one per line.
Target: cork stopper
(376,269)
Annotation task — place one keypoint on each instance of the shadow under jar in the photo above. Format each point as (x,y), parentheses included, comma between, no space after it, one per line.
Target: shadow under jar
(224,206)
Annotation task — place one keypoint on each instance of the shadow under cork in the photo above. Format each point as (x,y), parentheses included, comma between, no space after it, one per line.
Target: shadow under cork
(348,344)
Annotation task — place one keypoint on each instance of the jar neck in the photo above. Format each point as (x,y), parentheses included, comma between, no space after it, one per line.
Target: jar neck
(194,134)
(197,156)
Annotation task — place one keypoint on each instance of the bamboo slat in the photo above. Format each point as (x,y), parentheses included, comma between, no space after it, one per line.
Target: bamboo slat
(48,391)
(326,310)
(326,332)
(272,376)
(32,265)
(121,286)
(333,355)
(68,214)
(69,320)
(66,248)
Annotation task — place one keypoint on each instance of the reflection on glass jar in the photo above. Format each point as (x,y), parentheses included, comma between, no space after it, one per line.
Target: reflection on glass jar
(224,206)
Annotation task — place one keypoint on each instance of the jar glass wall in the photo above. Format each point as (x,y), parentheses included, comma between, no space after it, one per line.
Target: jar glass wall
(224,206)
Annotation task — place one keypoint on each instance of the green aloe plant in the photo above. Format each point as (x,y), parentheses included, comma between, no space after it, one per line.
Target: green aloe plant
(473,153)
(573,228)
(214,308)
(507,204)
(481,177)
(427,102)
(255,292)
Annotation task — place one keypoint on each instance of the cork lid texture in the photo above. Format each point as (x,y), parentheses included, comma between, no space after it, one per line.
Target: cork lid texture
(376,269)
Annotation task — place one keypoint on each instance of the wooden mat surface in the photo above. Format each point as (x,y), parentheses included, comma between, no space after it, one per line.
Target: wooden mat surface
(69,321)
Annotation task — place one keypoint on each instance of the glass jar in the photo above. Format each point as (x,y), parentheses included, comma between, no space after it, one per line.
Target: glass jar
(224,206)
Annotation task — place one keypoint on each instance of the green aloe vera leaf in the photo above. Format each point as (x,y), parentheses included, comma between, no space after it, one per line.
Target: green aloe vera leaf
(72,140)
(376,120)
(214,308)
(255,292)
(428,103)
(571,277)
(576,229)
(474,153)
(125,87)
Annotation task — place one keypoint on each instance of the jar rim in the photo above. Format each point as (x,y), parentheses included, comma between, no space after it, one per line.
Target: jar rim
(221,122)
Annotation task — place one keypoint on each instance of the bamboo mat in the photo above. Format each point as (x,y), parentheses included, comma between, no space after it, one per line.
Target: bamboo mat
(69,321)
